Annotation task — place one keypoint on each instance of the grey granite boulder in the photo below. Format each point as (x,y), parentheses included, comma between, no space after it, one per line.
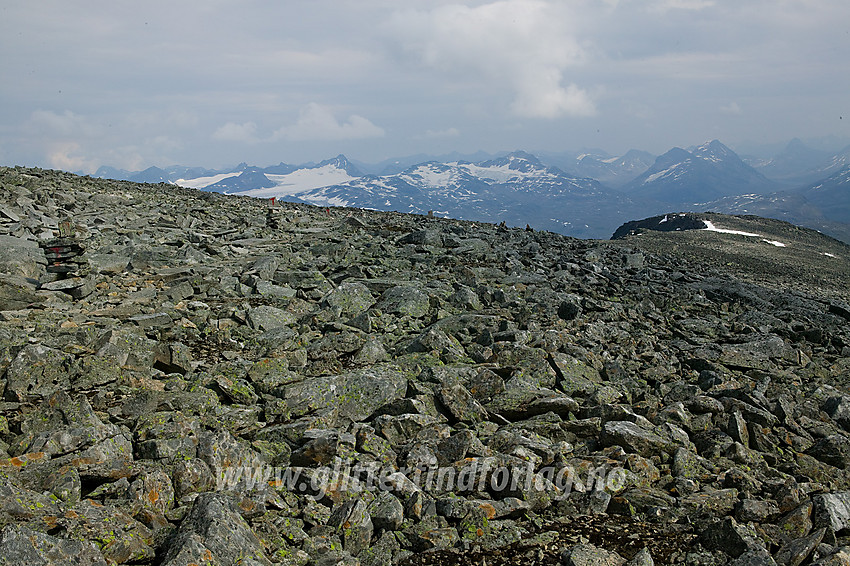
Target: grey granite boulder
(37,372)
(350,299)
(832,510)
(354,525)
(590,555)
(22,257)
(16,293)
(266,318)
(353,396)
(404,300)
(730,537)
(214,531)
(21,545)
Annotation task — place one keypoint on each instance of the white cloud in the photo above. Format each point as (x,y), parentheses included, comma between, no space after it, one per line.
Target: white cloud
(447,133)
(667,5)
(731,108)
(232,132)
(548,99)
(65,124)
(316,122)
(66,156)
(524,45)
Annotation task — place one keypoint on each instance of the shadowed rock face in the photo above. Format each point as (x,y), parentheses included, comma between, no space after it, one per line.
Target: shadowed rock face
(229,381)
(664,223)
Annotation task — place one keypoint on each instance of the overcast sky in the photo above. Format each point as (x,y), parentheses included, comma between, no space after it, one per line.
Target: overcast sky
(215,82)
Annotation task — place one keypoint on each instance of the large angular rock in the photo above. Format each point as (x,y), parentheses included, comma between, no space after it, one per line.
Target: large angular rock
(838,408)
(461,405)
(21,545)
(350,299)
(221,450)
(151,497)
(21,257)
(352,521)
(386,512)
(520,403)
(108,263)
(404,300)
(37,372)
(832,510)
(127,348)
(322,447)
(422,238)
(634,439)
(754,558)
(730,537)
(590,555)
(798,550)
(214,532)
(833,450)
(19,504)
(265,318)
(352,396)
(18,293)
(63,425)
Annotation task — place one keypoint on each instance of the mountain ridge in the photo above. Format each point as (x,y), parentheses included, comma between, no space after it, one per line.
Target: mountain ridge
(708,172)
(709,176)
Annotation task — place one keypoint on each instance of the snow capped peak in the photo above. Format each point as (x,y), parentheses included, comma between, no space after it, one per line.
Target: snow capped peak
(340,162)
(516,161)
(524,156)
(713,151)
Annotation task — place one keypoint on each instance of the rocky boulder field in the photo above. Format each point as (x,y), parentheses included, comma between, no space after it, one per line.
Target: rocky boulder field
(192,378)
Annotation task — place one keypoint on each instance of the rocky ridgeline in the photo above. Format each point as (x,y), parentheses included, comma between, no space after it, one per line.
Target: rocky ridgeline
(220,380)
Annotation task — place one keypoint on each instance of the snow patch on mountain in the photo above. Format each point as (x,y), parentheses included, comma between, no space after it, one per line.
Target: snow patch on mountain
(669,172)
(202,182)
(709,226)
(301,181)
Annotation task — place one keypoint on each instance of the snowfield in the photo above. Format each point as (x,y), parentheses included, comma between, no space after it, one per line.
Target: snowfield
(709,226)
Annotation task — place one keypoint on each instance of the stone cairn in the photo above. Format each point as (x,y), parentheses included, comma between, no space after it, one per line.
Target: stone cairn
(65,253)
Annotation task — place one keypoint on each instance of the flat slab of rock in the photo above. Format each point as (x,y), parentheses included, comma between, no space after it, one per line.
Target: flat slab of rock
(590,555)
(355,395)
(634,438)
(17,293)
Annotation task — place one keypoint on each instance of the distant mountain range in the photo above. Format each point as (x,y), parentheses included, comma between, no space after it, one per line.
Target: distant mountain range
(823,205)
(517,189)
(708,172)
(611,170)
(584,194)
(798,164)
